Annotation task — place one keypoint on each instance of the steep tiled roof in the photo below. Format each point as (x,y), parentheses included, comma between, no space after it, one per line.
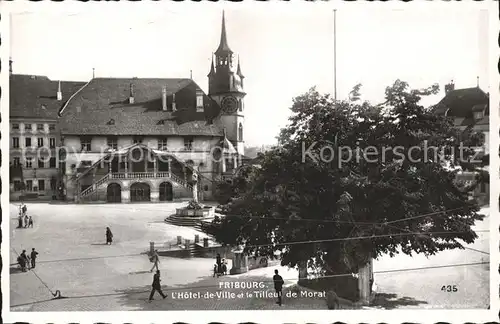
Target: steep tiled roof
(103,108)
(34,96)
(462,103)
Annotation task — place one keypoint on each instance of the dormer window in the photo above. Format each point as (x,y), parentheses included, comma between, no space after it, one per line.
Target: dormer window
(111,121)
(199,100)
(478,111)
(478,115)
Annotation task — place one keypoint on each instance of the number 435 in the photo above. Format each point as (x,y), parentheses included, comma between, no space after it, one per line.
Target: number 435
(449,288)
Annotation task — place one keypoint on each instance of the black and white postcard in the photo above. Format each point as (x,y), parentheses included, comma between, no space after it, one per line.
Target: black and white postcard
(215,157)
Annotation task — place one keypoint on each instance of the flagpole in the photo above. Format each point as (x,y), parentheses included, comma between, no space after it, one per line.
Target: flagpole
(335,53)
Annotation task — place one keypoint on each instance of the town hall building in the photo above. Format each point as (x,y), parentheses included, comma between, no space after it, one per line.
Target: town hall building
(141,139)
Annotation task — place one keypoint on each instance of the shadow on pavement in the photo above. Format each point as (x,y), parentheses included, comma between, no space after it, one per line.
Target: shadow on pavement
(98,244)
(391,301)
(15,270)
(140,272)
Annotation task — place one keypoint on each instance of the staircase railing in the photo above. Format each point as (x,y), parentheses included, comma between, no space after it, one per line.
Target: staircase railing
(94,186)
(181,181)
(135,175)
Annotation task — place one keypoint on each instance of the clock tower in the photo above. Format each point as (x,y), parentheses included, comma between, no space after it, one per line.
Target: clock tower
(225,86)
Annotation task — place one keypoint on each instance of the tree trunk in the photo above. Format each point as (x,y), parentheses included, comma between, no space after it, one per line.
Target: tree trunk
(302,271)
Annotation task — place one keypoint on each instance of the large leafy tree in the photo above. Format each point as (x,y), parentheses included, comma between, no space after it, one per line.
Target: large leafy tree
(345,171)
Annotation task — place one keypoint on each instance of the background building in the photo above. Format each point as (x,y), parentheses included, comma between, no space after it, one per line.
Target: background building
(130,139)
(35,135)
(469,108)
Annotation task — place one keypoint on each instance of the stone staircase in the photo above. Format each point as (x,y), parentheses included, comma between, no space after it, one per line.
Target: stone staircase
(93,188)
(184,221)
(194,222)
(87,193)
(192,251)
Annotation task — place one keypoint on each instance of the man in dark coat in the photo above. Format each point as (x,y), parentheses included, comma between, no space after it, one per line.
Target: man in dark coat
(219,263)
(33,257)
(20,220)
(23,260)
(109,236)
(278,285)
(156,286)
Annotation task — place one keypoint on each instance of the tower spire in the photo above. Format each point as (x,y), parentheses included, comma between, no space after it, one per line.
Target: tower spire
(212,67)
(238,70)
(223,46)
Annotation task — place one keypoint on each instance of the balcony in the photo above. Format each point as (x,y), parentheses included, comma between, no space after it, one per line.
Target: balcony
(149,175)
(136,175)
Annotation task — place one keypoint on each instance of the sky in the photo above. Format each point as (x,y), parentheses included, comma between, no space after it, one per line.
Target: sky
(283,53)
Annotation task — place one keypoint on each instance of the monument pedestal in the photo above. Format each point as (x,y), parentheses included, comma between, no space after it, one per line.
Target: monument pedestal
(240,263)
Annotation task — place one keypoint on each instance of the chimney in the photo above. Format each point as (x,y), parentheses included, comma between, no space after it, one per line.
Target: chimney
(131,97)
(449,87)
(164,98)
(174,104)
(10,66)
(59,92)
(199,100)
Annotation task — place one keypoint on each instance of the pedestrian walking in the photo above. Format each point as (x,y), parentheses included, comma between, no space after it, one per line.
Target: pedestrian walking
(26,220)
(30,222)
(155,258)
(24,209)
(219,263)
(33,258)
(20,220)
(278,286)
(156,286)
(109,236)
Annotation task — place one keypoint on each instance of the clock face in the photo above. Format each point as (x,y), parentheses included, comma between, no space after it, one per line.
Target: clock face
(229,105)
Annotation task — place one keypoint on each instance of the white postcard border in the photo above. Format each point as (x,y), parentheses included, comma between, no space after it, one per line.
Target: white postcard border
(350,316)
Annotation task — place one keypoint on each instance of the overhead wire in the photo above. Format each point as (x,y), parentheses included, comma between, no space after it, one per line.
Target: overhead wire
(57,293)
(262,245)
(321,220)
(268,281)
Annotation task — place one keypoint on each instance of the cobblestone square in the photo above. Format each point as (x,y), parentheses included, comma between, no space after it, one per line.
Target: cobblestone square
(118,274)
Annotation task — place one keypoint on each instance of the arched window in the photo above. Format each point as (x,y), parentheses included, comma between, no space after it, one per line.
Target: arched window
(240,132)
